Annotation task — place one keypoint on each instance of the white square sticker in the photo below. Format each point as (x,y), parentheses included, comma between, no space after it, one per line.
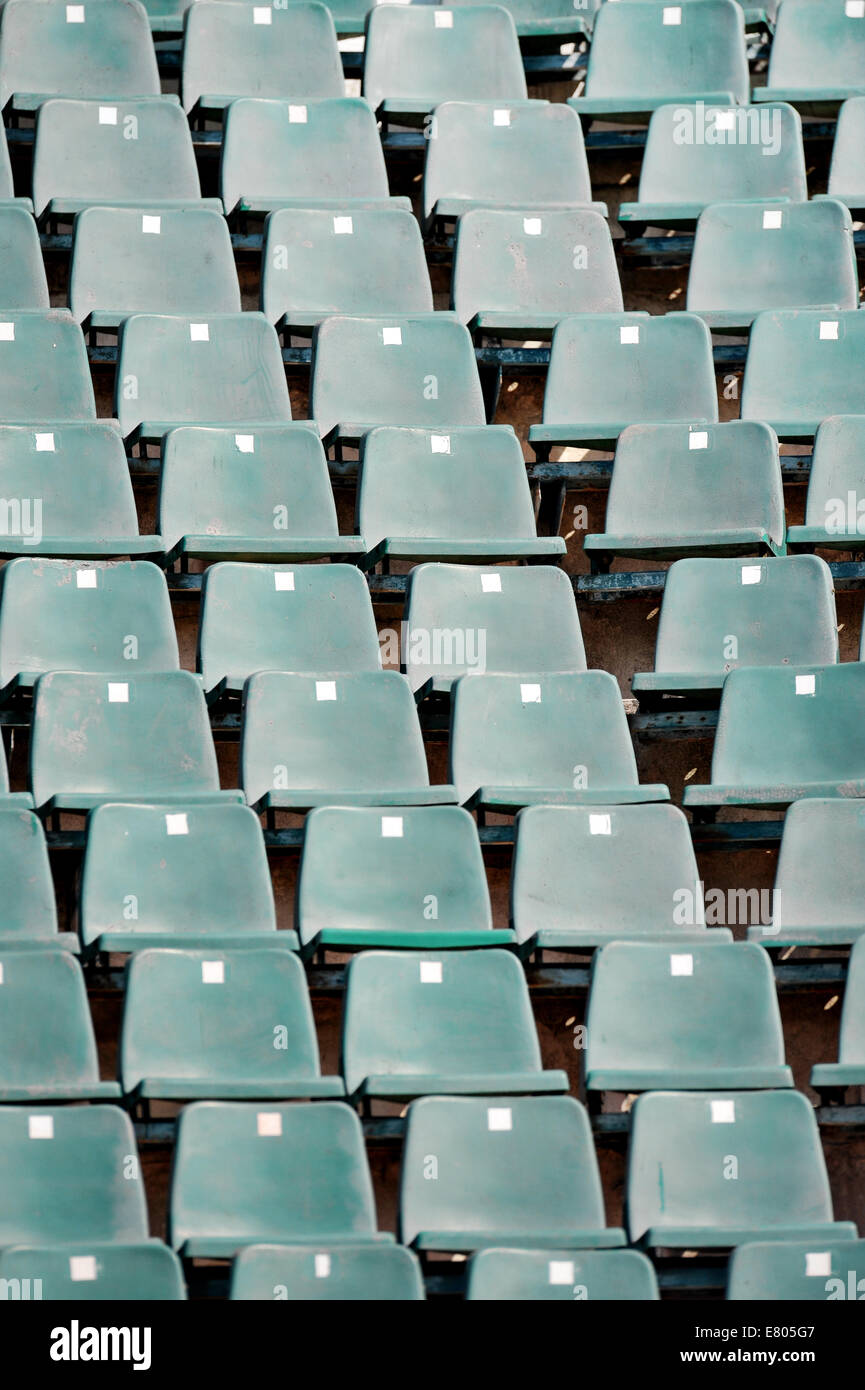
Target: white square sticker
(283,579)
(391,827)
(698,439)
(85,579)
(391,337)
(325,690)
(772,219)
(176,823)
(343,226)
(499,1118)
(199,332)
(672,14)
(829,330)
(40,1126)
(430,972)
(440,443)
(108,115)
(269,1124)
(752,574)
(151,226)
(7,332)
(262,14)
(560,1272)
(806,685)
(600,824)
(855,9)
(444,19)
(501,116)
(244,443)
(213,972)
(682,964)
(491,583)
(530,694)
(725,120)
(532,226)
(297,115)
(818,1264)
(723,1112)
(74,14)
(44,443)
(630,333)
(322,1266)
(118,693)
(82,1268)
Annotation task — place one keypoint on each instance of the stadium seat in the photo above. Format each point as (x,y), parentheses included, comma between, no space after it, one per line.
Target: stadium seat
(679,490)
(519,1172)
(849,1070)
(272,618)
(643,56)
(261,495)
(717,615)
(418,370)
(22,272)
(608,371)
(803,365)
(99,49)
(90,616)
(227,1025)
(516,741)
(418,56)
(323,153)
(696,156)
(462,620)
(847,170)
(817,57)
(355,1274)
(737,1167)
(462,496)
(541,21)
(129,262)
(582,877)
(814,905)
(291,1174)
(175,370)
(147,1272)
(44,375)
(665,1020)
(413,880)
(242,50)
(510,1276)
(163,876)
(69,1174)
(47,1043)
(473,1034)
(834,515)
(516,275)
(354,740)
(786,732)
(316,262)
(29,920)
(796,1271)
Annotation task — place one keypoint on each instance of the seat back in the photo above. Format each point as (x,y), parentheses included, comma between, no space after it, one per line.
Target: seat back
(22,271)
(44,374)
(80,473)
(847,170)
(804,364)
(61,1050)
(432,54)
(360,1273)
(659,51)
(99,49)
(97,1273)
(835,482)
(29,908)
(819,834)
(796,1271)
(851,1046)
(818,45)
(715,154)
(497,1276)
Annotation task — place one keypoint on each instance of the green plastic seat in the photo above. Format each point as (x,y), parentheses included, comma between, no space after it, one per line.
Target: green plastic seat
(847,169)
(225,1025)
(719,1170)
(101,48)
(643,56)
(717,615)
(418,56)
(702,1020)
(518,1171)
(517,740)
(817,57)
(310,1274)
(22,272)
(47,1043)
(354,740)
(849,1070)
(463,496)
(179,370)
(418,1025)
(797,1271)
(129,262)
(412,880)
(583,877)
(148,1272)
(785,732)
(519,275)
(608,371)
(273,618)
(461,620)
(69,1174)
(834,517)
(317,262)
(166,16)
(814,904)
(696,155)
(802,366)
(324,153)
(510,1276)
(401,370)
(44,373)
(83,616)
(177,876)
(679,490)
(29,920)
(291,1174)
(539,21)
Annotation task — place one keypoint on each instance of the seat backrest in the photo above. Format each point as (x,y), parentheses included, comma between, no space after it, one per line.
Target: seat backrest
(851,1046)
(714,154)
(101,48)
(360,1273)
(819,834)
(669,50)
(847,170)
(44,374)
(804,364)
(578,12)
(818,45)
(835,482)
(498,1276)
(29,908)
(60,1050)
(22,271)
(80,473)
(436,54)
(94,1274)
(796,1271)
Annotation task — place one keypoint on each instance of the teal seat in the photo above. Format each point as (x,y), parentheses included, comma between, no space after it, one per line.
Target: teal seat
(69,1174)
(94,616)
(22,272)
(518,739)
(721,154)
(354,740)
(834,517)
(317,262)
(171,262)
(323,153)
(219,1025)
(706,1019)
(182,370)
(814,904)
(515,1171)
(262,494)
(518,275)
(44,373)
(144,1273)
(460,495)
(47,1043)
(679,490)
(461,620)
(291,1174)
(416,880)
(802,366)
(847,169)
(242,50)
(274,618)
(608,371)
(401,370)
(29,920)
(177,876)
(719,1170)
(802,1271)
(511,1276)
(717,615)
(166,16)
(420,1025)
(541,21)
(343,1273)
(786,732)
(817,58)
(582,877)
(849,1070)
